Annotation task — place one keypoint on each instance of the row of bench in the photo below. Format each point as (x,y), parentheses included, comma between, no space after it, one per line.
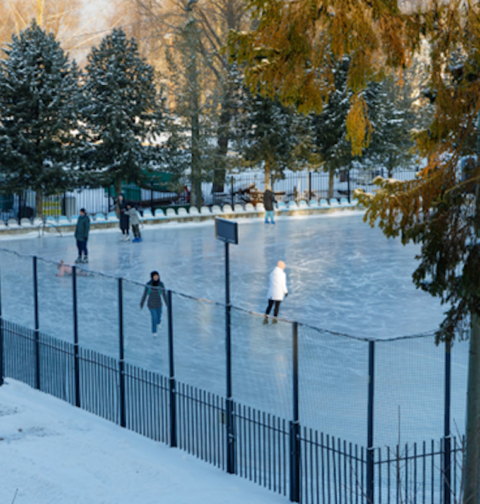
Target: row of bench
(159,214)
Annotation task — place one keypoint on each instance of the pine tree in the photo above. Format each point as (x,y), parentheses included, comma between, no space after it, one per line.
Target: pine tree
(122,110)
(39,100)
(275,136)
(330,126)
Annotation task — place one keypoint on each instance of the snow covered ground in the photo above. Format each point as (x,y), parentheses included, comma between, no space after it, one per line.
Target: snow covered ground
(343,276)
(52,452)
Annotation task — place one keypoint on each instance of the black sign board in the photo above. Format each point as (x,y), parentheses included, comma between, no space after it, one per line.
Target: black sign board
(226,231)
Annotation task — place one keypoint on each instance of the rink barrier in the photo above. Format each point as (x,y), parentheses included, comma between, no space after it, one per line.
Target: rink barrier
(51,227)
(194,420)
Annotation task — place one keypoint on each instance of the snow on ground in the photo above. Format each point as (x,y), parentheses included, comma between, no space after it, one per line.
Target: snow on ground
(53,453)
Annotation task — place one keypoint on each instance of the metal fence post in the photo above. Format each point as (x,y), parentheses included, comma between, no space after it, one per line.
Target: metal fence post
(75,338)
(171,362)
(121,363)
(151,197)
(348,185)
(230,420)
(370,449)
(447,462)
(37,324)
(309,186)
(295,425)
(231,183)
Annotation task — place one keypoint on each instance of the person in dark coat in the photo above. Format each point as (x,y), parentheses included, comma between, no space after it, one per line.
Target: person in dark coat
(124,218)
(268,201)
(154,290)
(81,235)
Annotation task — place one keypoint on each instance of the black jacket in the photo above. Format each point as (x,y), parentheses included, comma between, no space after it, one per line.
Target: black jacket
(268,200)
(124,219)
(83,228)
(153,293)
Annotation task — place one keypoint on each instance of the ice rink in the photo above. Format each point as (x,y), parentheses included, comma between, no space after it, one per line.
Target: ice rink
(343,277)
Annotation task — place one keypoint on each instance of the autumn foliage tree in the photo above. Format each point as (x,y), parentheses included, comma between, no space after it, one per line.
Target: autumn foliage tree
(290,55)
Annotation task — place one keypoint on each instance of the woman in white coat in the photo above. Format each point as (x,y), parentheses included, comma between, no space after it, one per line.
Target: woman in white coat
(277,290)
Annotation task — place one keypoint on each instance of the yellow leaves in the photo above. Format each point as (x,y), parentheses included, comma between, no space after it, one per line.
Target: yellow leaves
(359,128)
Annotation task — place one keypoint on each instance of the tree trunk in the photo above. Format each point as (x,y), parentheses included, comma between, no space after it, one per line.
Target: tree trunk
(196,190)
(331,183)
(267,172)
(39,203)
(222,148)
(472,459)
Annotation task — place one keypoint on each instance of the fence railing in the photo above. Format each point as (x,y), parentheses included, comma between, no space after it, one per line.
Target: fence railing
(245,187)
(280,451)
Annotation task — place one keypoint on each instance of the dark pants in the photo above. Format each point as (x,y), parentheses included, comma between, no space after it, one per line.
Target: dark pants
(125,231)
(82,247)
(271,302)
(136,230)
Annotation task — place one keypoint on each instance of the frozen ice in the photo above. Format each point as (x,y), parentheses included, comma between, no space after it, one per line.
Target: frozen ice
(343,276)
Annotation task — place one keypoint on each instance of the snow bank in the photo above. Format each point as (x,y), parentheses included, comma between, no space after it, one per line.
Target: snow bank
(53,452)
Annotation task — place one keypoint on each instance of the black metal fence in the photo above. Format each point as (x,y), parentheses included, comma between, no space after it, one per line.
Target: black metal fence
(245,187)
(278,451)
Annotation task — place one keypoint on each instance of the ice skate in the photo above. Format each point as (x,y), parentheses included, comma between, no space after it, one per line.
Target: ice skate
(265,320)
(135,240)
(78,260)
(85,260)
(154,334)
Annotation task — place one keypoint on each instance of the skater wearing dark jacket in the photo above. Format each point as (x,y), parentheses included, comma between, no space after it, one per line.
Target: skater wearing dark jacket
(154,290)
(124,219)
(81,235)
(268,201)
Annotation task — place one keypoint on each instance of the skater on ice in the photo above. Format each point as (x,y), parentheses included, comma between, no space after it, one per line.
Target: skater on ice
(277,291)
(81,235)
(66,269)
(135,221)
(154,290)
(268,202)
(124,218)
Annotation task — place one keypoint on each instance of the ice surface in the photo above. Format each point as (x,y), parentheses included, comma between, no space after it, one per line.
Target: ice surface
(342,275)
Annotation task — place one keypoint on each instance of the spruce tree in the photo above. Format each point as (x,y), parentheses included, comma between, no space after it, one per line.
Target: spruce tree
(276,136)
(330,126)
(38,114)
(122,109)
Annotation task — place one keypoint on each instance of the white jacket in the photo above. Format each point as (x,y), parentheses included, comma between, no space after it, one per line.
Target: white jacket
(278,285)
